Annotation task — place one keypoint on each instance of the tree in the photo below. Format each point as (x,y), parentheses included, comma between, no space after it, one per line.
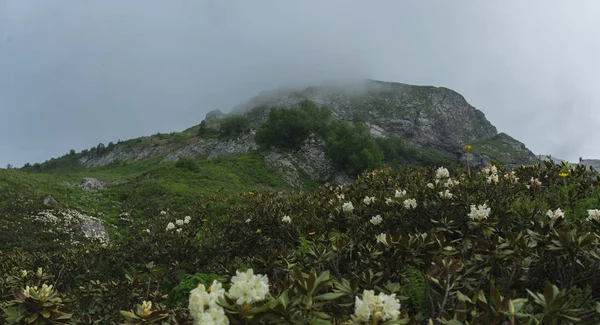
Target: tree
(233,126)
(352,149)
(9,166)
(285,128)
(202,129)
(72,152)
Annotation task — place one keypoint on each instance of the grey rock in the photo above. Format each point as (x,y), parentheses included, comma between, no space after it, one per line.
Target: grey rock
(95,230)
(92,184)
(49,200)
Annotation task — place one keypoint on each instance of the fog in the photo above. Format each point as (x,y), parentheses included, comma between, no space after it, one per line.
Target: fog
(77,73)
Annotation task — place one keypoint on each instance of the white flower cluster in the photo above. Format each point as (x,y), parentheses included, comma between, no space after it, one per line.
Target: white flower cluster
(442,173)
(347,207)
(62,222)
(381,307)
(203,305)
(450,182)
(178,222)
(248,287)
(593,215)
(446,194)
(558,213)
(410,203)
(480,212)
(376,220)
(381,238)
(368,200)
(491,174)
(400,194)
(511,177)
(534,182)
(286,219)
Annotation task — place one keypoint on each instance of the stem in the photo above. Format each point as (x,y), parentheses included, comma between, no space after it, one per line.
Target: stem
(447,293)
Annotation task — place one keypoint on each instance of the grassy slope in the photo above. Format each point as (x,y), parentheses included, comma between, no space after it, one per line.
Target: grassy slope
(142,188)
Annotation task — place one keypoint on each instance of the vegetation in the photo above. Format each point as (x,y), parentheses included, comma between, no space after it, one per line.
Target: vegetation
(233,126)
(352,149)
(435,246)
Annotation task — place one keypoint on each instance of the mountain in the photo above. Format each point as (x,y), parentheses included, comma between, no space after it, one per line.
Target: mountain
(140,177)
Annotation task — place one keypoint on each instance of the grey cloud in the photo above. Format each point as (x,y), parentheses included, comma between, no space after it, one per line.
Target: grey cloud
(75,73)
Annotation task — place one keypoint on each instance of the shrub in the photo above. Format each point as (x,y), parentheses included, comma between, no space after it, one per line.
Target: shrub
(352,148)
(188,164)
(233,126)
(285,128)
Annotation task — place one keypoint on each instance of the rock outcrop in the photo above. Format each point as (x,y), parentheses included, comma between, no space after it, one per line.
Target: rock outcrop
(92,184)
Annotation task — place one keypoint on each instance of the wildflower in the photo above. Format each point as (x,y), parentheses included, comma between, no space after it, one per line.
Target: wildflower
(40,272)
(286,219)
(248,220)
(179,222)
(382,307)
(376,220)
(251,193)
(388,200)
(430,185)
(348,207)
(204,220)
(593,215)
(187,219)
(24,274)
(493,178)
(381,238)
(162,213)
(178,230)
(247,287)
(467,148)
(146,308)
(311,233)
(511,177)
(451,183)
(368,200)
(563,174)
(446,194)
(410,203)
(146,230)
(170,226)
(441,173)
(555,214)
(258,231)
(203,305)
(400,194)
(481,212)
(534,182)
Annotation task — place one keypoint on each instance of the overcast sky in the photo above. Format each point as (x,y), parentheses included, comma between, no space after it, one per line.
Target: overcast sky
(76,73)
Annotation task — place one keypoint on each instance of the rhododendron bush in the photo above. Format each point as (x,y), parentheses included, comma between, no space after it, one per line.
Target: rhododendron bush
(413,246)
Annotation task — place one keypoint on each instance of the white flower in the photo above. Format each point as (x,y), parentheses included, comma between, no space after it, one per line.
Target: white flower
(347,207)
(178,230)
(382,307)
(39,272)
(23,274)
(451,183)
(203,305)
(511,177)
(555,214)
(593,215)
(430,185)
(446,194)
(162,213)
(248,220)
(369,200)
(442,173)
(146,308)
(410,203)
(381,238)
(147,230)
(187,219)
(493,178)
(481,212)
(400,194)
(389,200)
(170,226)
(179,222)
(535,182)
(247,287)
(286,219)
(376,220)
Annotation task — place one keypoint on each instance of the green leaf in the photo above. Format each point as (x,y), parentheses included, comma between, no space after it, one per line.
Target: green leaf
(329,296)
(129,314)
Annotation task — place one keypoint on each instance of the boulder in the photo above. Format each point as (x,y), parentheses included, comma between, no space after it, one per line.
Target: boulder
(92,184)
(49,200)
(94,230)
